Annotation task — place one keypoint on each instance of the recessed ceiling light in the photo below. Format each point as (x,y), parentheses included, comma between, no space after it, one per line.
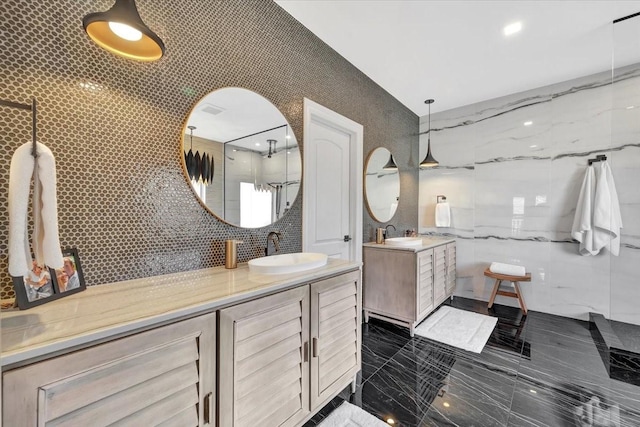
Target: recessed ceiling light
(446,404)
(288,136)
(533,391)
(512,28)
(390,421)
(529,123)
(257,144)
(631,107)
(533,146)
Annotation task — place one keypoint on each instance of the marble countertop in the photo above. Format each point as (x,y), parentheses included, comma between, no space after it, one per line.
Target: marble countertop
(116,309)
(427,243)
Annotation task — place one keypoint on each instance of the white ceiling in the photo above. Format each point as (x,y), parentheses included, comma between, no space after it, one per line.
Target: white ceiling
(455,51)
(230,113)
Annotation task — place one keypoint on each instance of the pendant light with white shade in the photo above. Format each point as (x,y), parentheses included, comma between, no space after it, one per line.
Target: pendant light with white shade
(429,161)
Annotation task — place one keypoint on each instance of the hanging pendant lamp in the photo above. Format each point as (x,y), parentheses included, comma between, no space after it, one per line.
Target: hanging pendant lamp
(120,30)
(429,161)
(391,165)
(189,159)
(272,147)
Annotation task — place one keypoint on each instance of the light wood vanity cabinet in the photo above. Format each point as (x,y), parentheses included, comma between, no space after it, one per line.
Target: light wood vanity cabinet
(403,286)
(266,361)
(283,356)
(163,376)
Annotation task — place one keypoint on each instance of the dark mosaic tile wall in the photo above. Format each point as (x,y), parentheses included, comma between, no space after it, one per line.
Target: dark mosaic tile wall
(114,125)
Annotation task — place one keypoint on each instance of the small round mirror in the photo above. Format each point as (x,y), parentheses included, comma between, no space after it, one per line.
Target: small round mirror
(241,158)
(382,185)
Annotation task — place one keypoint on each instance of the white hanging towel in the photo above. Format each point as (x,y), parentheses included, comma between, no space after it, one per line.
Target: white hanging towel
(45,240)
(607,220)
(582,229)
(393,209)
(443,214)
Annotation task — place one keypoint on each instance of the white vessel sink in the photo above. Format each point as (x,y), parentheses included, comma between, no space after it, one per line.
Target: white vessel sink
(404,241)
(287,263)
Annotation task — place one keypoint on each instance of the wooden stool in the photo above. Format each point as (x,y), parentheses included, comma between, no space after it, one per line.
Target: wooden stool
(514,279)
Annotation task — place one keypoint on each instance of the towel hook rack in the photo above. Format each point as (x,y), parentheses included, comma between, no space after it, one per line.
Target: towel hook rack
(599,158)
(441,198)
(34,119)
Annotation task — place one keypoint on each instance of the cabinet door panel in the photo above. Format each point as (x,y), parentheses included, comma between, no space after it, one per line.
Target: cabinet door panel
(117,381)
(451,268)
(439,274)
(335,332)
(264,370)
(183,419)
(425,282)
(163,410)
(149,378)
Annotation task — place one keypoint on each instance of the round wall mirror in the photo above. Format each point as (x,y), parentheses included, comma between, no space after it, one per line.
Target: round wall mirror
(382,185)
(241,158)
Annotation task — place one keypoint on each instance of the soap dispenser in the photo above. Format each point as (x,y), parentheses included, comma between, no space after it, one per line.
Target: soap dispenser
(231,253)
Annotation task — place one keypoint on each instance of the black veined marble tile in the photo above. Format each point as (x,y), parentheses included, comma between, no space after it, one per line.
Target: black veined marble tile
(380,341)
(437,385)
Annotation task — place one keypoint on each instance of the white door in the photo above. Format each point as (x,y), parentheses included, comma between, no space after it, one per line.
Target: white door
(332,193)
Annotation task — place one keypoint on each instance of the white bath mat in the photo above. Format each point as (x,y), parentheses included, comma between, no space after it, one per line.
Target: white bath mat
(459,328)
(348,415)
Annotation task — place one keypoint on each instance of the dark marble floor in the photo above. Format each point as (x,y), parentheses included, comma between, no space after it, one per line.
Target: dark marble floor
(628,334)
(538,370)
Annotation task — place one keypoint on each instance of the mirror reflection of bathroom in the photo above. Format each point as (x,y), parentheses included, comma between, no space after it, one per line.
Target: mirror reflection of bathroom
(382,185)
(242,157)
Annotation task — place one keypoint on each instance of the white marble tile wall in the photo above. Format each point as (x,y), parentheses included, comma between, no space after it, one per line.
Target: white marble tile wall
(511,169)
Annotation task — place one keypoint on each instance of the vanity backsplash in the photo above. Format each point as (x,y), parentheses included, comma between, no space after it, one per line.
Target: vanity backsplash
(115,125)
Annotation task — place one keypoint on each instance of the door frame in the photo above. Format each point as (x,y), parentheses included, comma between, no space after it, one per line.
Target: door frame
(314,112)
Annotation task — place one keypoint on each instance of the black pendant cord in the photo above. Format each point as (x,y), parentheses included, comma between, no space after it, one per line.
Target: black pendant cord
(34,119)
(429,134)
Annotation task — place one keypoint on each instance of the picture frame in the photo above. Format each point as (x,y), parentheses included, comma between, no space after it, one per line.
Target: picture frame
(45,284)
(69,279)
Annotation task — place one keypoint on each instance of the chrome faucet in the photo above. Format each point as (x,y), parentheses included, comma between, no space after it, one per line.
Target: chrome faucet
(273,237)
(386,230)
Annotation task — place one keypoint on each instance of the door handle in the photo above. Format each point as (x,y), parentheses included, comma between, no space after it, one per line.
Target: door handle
(305,351)
(347,238)
(315,347)
(208,408)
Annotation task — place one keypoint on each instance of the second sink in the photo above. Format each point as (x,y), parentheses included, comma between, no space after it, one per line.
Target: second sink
(403,241)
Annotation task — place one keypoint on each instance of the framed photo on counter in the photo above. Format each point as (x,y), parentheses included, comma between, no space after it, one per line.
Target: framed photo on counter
(69,279)
(44,284)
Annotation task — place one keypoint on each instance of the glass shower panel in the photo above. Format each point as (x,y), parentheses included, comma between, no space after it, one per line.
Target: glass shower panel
(624,160)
